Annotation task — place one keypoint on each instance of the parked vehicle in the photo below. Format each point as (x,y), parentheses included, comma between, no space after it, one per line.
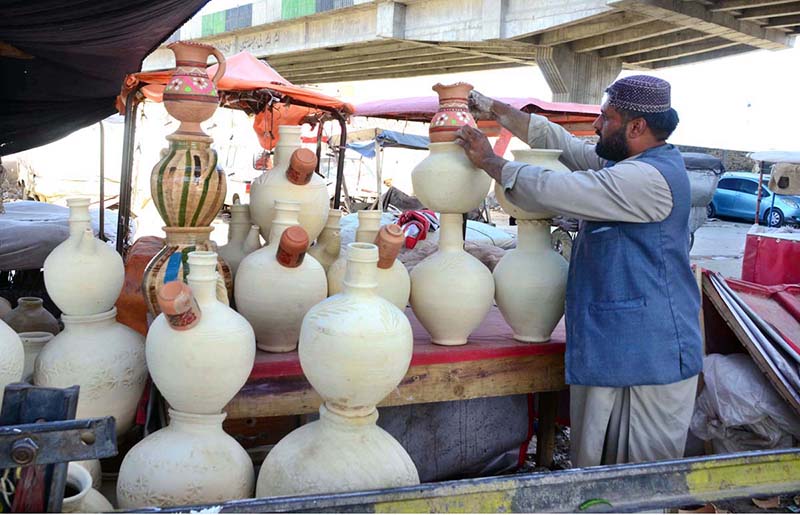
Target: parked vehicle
(737,196)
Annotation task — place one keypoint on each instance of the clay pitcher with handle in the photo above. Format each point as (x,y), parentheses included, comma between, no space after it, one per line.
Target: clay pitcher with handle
(190,96)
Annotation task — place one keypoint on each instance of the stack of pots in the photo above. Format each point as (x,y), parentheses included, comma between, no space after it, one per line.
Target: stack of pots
(451,291)
(200,353)
(355,348)
(186,186)
(243,237)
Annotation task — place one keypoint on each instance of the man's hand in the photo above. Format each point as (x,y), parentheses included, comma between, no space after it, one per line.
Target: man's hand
(480,106)
(479,151)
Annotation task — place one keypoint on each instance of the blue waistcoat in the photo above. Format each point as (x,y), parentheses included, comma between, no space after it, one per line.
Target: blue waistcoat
(632,300)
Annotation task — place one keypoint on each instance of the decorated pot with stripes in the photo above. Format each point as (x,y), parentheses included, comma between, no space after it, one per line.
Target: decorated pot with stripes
(191,96)
(172,264)
(186,186)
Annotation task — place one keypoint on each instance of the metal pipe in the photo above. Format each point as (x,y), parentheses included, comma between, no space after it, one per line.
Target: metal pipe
(126,174)
(340,163)
(102,232)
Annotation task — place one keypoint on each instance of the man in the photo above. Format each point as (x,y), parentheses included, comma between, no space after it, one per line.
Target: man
(633,336)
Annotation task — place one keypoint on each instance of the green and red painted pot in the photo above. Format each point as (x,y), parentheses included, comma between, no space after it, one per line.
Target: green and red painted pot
(453,112)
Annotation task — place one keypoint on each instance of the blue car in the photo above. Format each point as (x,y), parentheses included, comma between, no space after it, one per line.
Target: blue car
(737,195)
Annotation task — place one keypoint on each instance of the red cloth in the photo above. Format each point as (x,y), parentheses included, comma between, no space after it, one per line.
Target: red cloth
(769,259)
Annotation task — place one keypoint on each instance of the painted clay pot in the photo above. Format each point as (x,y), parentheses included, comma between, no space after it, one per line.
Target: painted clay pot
(87,499)
(12,358)
(275,297)
(191,461)
(243,237)
(33,343)
(446,181)
(80,256)
(531,282)
(369,224)
(451,291)
(186,186)
(539,157)
(276,184)
(453,112)
(355,348)
(171,264)
(336,454)
(190,96)
(105,358)
(326,249)
(186,362)
(30,316)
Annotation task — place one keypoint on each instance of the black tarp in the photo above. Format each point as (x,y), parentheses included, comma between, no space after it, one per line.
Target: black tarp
(62,62)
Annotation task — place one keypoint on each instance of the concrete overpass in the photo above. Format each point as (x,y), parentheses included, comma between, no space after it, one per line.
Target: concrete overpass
(580,45)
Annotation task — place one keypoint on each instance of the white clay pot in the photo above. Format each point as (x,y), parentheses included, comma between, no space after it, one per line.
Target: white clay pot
(355,347)
(33,342)
(274,185)
(95,470)
(103,357)
(394,283)
(546,158)
(198,370)
(336,454)
(68,266)
(531,283)
(243,237)
(12,358)
(275,298)
(191,461)
(451,291)
(87,499)
(326,249)
(446,181)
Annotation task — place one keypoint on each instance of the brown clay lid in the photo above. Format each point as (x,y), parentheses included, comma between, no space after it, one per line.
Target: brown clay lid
(292,247)
(389,240)
(301,166)
(178,305)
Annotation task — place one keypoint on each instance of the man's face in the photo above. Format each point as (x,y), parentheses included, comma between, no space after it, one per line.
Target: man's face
(611,128)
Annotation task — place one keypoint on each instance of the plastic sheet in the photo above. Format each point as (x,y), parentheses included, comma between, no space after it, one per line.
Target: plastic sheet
(738,410)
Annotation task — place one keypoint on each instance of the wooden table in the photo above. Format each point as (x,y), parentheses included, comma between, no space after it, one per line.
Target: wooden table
(491,364)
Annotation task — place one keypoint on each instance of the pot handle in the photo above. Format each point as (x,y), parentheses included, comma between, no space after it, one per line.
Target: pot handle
(221,68)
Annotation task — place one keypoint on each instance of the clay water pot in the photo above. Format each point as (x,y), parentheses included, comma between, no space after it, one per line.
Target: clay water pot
(191,461)
(273,296)
(82,256)
(186,362)
(277,184)
(5,307)
(105,358)
(87,499)
(451,291)
(447,182)
(30,316)
(190,96)
(12,358)
(243,237)
(531,283)
(540,157)
(33,343)
(453,112)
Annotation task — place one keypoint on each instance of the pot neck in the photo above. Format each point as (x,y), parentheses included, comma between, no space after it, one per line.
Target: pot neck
(533,235)
(444,147)
(451,237)
(202,277)
(369,223)
(30,303)
(340,419)
(195,423)
(286,214)
(361,274)
(240,223)
(288,142)
(90,322)
(79,219)
(187,235)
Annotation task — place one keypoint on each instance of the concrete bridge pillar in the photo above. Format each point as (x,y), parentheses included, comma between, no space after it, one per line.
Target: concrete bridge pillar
(573,77)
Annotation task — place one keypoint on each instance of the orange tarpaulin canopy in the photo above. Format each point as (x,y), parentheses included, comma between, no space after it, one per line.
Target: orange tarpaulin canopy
(243,72)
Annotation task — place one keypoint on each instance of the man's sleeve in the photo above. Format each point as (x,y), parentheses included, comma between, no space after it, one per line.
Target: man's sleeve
(577,154)
(630,191)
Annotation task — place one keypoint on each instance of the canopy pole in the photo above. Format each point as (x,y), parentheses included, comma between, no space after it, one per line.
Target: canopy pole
(102,232)
(320,126)
(126,174)
(758,193)
(378,169)
(337,199)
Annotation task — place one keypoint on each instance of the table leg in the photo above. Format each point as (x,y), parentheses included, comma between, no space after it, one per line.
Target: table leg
(546,431)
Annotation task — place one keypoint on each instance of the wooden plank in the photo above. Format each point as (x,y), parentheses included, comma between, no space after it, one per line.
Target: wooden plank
(293,395)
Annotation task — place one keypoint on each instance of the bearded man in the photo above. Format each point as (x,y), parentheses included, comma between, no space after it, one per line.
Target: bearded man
(633,337)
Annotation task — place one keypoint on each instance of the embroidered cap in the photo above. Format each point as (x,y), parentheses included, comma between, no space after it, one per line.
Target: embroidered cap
(642,93)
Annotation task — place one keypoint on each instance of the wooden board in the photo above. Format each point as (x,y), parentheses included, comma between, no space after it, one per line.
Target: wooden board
(491,364)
